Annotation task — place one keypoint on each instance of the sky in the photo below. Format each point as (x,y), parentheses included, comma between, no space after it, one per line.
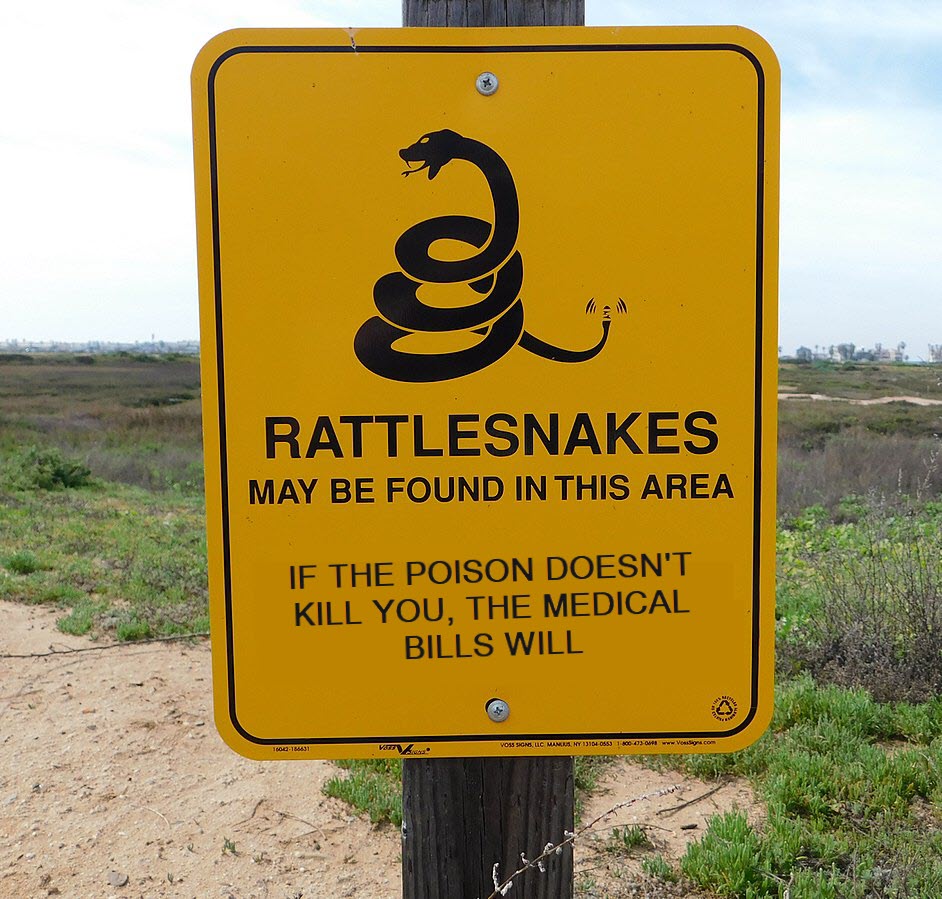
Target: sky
(97,234)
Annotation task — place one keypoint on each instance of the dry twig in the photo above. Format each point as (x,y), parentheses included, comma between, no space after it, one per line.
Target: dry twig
(68,650)
(314,827)
(676,808)
(258,805)
(502,887)
(147,808)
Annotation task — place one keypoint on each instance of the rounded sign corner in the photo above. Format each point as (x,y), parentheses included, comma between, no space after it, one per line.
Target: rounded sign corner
(235,736)
(760,49)
(756,725)
(215,49)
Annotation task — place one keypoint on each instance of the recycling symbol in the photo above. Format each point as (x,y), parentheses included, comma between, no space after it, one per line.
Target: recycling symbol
(724,708)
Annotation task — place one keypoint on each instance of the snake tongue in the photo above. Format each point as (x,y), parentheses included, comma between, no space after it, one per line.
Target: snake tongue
(412,171)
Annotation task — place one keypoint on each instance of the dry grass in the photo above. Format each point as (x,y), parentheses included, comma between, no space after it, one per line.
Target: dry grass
(130,421)
(857,463)
(831,450)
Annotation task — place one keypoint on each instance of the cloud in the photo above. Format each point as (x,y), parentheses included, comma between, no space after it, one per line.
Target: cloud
(915,20)
(861,219)
(862,182)
(846,50)
(95,143)
(98,220)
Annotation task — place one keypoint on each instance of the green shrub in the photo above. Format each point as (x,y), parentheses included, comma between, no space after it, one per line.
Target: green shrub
(22,563)
(816,884)
(43,468)
(847,814)
(727,858)
(64,594)
(626,839)
(82,617)
(861,601)
(372,786)
(657,866)
(133,629)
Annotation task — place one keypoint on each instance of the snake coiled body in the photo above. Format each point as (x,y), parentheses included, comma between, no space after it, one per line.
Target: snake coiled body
(495,272)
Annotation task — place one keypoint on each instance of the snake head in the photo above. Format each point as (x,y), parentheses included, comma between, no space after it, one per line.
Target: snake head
(433,150)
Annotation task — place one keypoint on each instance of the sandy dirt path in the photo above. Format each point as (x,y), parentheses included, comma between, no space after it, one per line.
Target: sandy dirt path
(114,783)
(873,401)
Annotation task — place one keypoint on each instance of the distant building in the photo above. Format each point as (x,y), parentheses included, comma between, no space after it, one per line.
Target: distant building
(804,354)
(150,347)
(849,352)
(845,351)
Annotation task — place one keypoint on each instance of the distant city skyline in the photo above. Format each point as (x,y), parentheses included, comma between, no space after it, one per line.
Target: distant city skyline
(98,230)
(844,351)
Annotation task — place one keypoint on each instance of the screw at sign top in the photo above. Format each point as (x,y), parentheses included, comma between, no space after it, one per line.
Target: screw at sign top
(487,83)
(497,710)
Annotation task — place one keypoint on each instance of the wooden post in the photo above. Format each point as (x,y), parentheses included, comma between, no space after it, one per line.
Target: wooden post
(491,13)
(463,816)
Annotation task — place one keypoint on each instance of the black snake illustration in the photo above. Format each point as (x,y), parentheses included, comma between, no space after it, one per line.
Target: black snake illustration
(496,272)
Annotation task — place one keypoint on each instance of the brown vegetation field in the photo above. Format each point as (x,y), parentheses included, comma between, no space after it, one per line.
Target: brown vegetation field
(113,782)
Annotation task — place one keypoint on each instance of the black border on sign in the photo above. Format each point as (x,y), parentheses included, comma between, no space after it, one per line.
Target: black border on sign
(757,435)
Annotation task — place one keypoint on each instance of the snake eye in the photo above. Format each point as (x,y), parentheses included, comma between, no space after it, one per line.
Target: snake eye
(424,139)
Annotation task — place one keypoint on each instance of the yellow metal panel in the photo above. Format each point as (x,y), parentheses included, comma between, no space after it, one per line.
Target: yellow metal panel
(503,427)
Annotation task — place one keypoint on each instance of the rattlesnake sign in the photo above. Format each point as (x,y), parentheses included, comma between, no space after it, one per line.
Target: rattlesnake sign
(488,328)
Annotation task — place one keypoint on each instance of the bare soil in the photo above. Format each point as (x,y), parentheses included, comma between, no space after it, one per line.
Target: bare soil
(114,783)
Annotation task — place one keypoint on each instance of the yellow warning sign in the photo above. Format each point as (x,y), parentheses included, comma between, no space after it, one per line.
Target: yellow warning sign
(489,358)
